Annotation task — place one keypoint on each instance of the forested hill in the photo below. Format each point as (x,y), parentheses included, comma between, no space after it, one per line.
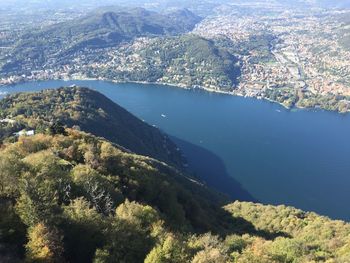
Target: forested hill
(69,196)
(188,60)
(92,112)
(105,27)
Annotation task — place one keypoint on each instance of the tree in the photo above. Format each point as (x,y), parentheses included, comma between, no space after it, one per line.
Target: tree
(173,250)
(286,250)
(84,230)
(38,201)
(11,167)
(130,236)
(210,249)
(12,231)
(95,188)
(57,128)
(42,188)
(44,245)
(210,255)
(102,256)
(136,214)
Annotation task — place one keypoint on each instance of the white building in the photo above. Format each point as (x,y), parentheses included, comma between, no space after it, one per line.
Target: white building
(25,133)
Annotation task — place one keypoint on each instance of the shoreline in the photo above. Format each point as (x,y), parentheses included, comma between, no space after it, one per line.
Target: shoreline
(174,85)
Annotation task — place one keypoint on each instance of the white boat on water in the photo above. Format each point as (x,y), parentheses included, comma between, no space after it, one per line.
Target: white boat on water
(163,115)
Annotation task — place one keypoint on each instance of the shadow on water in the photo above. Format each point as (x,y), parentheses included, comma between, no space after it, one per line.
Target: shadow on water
(208,167)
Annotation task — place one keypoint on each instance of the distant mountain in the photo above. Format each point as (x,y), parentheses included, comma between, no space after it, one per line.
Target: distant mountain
(192,60)
(188,60)
(104,27)
(93,113)
(184,18)
(110,26)
(203,7)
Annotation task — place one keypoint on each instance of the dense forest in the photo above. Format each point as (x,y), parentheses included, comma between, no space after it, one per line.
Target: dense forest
(70,196)
(193,60)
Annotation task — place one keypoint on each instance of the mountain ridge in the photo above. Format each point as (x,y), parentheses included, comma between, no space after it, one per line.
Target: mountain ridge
(94,113)
(99,29)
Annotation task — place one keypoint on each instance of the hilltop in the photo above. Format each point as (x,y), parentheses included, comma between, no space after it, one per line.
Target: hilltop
(187,60)
(191,60)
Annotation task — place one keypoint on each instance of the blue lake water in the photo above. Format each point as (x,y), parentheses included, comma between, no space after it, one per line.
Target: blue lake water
(299,157)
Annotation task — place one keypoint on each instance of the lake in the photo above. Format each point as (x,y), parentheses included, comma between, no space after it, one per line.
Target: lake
(299,157)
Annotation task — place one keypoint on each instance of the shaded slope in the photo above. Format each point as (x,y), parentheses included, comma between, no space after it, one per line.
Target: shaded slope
(94,113)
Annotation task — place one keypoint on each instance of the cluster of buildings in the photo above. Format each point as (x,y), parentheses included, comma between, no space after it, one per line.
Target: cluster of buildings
(305,53)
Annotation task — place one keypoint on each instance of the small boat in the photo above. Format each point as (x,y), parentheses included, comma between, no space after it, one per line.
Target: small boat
(163,115)
(278,110)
